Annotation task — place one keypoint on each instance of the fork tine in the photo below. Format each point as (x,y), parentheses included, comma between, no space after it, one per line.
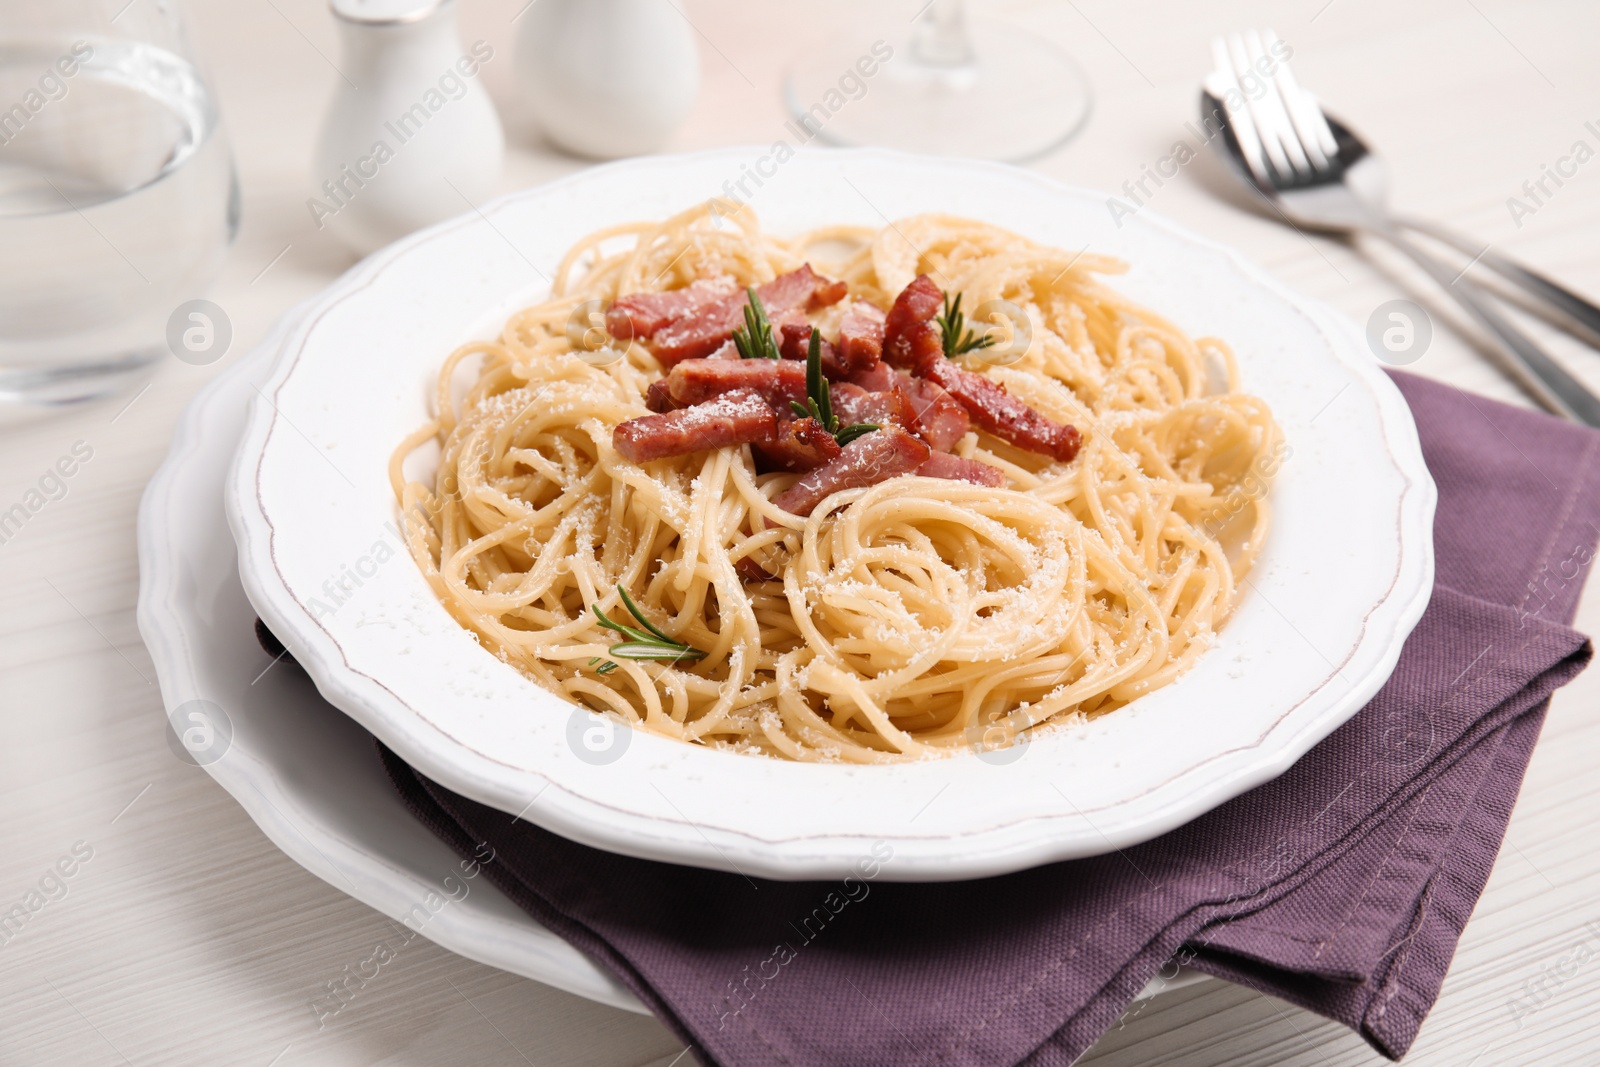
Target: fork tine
(1221,84)
(1271,146)
(1319,120)
(1312,125)
(1272,114)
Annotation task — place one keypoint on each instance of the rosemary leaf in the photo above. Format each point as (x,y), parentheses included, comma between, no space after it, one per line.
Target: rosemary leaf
(816,384)
(653,650)
(626,631)
(860,429)
(633,609)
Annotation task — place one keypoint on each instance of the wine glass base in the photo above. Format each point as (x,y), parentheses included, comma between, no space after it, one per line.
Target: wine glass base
(1019,99)
(58,387)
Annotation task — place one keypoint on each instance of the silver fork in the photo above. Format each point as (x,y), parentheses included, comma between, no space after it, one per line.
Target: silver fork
(1317,173)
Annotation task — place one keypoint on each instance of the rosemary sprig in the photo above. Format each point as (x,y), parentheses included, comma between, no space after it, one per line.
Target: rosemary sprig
(953,330)
(649,643)
(819,402)
(754,340)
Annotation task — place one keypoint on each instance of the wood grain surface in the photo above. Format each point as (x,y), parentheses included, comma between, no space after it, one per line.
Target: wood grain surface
(186,938)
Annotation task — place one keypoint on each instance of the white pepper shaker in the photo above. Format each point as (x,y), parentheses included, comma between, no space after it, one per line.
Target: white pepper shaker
(411,137)
(608,78)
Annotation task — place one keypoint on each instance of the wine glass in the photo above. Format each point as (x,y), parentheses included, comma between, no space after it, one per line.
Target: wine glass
(955,87)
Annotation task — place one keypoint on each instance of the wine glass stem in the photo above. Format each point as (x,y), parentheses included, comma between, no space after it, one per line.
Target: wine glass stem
(940,38)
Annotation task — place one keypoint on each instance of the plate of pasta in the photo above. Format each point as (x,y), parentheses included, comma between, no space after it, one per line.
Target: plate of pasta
(896,508)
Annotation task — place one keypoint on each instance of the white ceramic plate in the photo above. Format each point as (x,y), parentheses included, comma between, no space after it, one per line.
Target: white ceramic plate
(1346,573)
(305,772)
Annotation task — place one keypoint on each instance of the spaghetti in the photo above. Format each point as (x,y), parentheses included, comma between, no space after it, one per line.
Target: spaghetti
(906,619)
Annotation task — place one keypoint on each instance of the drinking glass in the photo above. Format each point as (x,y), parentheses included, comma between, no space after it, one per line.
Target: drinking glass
(955,87)
(118,198)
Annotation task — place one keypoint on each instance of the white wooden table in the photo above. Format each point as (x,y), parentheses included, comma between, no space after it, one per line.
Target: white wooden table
(187,938)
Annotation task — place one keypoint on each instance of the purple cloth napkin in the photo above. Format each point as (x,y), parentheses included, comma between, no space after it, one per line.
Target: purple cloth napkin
(1342,886)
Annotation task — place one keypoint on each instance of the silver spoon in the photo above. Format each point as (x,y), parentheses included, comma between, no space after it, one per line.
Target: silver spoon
(1317,173)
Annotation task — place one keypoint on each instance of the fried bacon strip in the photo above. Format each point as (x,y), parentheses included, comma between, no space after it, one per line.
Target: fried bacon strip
(938,417)
(641,315)
(878,378)
(957,469)
(1002,414)
(800,445)
(866,461)
(778,381)
(911,338)
(658,398)
(861,337)
(703,331)
(854,404)
(739,417)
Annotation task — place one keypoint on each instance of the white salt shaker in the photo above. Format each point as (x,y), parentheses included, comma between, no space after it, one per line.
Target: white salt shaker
(608,78)
(411,136)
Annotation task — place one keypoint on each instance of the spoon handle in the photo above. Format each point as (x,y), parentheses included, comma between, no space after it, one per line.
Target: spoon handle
(1574,310)
(1540,375)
